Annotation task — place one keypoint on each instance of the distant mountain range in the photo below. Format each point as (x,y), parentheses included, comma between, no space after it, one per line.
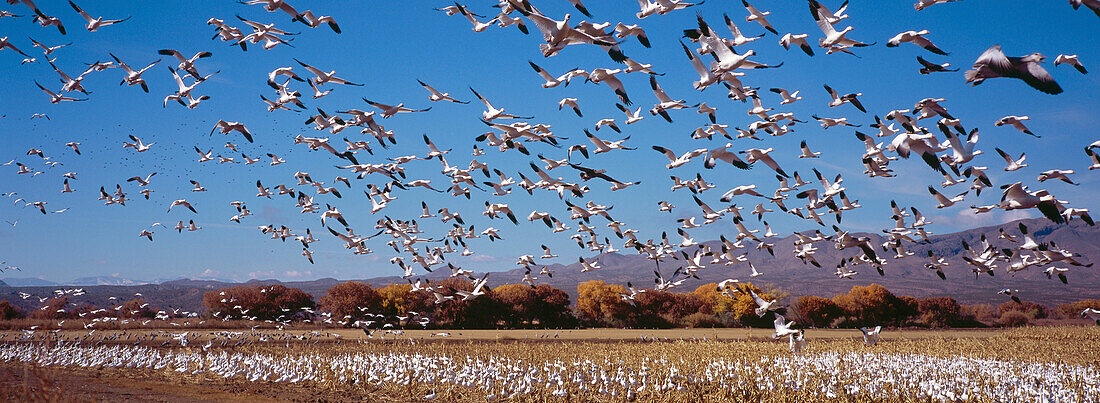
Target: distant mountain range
(906,276)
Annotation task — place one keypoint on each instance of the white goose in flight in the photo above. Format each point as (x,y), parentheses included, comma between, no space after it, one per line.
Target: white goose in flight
(439,96)
(832,36)
(1066,59)
(226,127)
(57,98)
(94,23)
(759,17)
(916,38)
(133,77)
(323,77)
(493,113)
(1016,122)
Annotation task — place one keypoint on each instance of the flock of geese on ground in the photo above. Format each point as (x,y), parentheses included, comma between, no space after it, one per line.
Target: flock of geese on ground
(944,145)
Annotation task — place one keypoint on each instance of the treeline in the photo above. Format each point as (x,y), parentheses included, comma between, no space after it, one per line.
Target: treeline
(598,304)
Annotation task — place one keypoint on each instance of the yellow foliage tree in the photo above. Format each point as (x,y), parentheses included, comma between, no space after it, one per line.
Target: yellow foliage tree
(599,302)
(395,298)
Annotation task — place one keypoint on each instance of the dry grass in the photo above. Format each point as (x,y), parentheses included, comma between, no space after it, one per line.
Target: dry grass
(682,351)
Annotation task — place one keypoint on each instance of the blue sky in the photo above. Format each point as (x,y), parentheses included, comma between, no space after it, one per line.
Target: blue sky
(388,47)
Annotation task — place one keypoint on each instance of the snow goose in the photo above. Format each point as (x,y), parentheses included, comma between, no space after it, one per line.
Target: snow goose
(50,49)
(1011,293)
(459,9)
(1057,271)
(314,21)
(1012,164)
(759,17)
(609,123)
(838,100)
(928,67)
(184,203)
(923,4)
(790,39)
(678,161)
(323,77)
(46,21)
(1093,5)
(706,77)
(832,36)
(1016,122)
(916,38)
(142,181)
(492,113)
(665,102)
(390,110)
(806,153)
(757,154)
(187,64)
(607,76)
(137,144)
(603,146)
(622,31)
(870,334)
(763,306)
(94,23)
(439,96)
(1060,174)
(944,201)
(738,38)
(830,122)
(552,81)
(993,63)
(133,76)
(1067,59)
(572,103)
(226,127)
(788,97)
(57,98)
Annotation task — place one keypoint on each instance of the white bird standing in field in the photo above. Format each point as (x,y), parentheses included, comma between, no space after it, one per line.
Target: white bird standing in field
(870,334)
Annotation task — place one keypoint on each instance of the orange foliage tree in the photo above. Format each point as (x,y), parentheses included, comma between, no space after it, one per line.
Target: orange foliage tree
(351,301)
(480,312)
(874,305)
(817,311)
(270,302)
(55,308)
(136,308)
(938,311)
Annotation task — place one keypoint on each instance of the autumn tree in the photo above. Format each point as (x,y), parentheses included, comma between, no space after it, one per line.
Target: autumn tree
(350,301)
(551,307)
(601,304)
(1030,309)
(742,308)
(712,298)
(817,311)
(9,311)
(1073,310)
(874,305)
(55,308)
(136,308)
(938,311)
(481,312)
(397,299)
(270,302)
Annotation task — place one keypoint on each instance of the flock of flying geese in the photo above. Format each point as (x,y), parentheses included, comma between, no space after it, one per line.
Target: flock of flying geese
(908,135)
